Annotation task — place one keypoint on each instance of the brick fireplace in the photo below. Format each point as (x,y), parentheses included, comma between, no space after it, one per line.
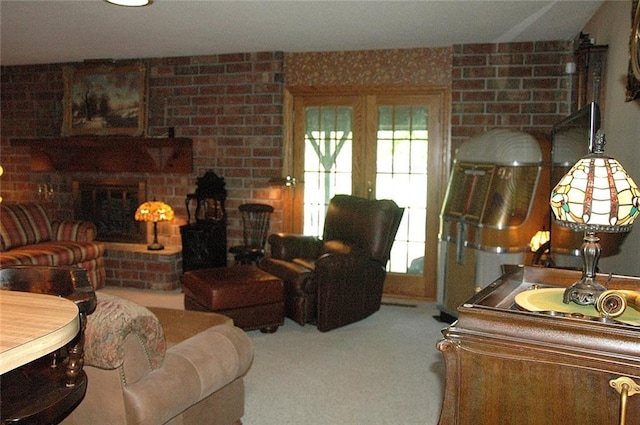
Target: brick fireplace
(111,205)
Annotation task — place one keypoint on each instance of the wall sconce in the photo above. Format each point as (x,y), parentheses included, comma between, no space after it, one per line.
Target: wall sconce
(45,191)
(287,181)
(154,211)
(596,195)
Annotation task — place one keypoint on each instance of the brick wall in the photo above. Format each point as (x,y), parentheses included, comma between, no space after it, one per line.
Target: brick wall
(522,86)
(31,106)
(134,266)
(231,105)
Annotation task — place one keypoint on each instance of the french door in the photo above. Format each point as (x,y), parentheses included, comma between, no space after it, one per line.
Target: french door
(374,145)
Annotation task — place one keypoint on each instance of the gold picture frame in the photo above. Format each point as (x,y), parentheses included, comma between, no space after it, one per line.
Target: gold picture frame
(104,100)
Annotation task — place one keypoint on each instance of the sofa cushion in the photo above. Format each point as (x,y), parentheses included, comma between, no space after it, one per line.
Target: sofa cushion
(17,258)
(69,252)
(180,325)
(23,224)
(111,323)
(63,253)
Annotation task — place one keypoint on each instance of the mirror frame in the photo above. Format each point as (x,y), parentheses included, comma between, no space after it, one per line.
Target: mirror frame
(633,77)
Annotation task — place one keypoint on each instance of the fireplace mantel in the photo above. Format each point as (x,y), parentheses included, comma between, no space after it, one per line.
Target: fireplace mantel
(113,154)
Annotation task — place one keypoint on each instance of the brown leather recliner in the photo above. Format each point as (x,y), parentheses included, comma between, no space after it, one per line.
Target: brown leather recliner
(337,279)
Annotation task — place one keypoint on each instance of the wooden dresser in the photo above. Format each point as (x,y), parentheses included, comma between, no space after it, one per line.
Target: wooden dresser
(509,366)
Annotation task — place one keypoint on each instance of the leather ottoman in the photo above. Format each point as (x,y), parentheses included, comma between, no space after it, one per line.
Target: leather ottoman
(253,298)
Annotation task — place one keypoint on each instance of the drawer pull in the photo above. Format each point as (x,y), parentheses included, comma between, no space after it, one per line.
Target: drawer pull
(626,387)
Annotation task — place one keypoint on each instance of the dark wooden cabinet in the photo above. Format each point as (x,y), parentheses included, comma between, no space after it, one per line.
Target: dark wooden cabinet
(204,245)
(505,365)
(204,241)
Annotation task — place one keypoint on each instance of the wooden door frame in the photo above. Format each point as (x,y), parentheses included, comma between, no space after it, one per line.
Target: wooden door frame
(439,159)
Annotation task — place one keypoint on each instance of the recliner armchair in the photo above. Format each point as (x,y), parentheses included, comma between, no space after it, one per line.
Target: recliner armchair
(337,279)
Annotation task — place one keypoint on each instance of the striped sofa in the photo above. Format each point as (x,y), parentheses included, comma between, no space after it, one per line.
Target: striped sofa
(29,237)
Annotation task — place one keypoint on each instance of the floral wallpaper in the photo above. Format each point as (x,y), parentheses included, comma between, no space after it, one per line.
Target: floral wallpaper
(423,66)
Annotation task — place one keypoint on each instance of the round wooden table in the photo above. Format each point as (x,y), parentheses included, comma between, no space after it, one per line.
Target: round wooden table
(42,315)
(32,325)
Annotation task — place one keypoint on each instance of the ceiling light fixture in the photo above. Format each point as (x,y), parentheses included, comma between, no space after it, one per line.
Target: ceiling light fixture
(130,3)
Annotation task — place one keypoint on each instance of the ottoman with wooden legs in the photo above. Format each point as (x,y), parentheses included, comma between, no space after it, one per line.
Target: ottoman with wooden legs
(253,298)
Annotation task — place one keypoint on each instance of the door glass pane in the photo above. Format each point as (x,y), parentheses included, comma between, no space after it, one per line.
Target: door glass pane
(327,161)
(402,176)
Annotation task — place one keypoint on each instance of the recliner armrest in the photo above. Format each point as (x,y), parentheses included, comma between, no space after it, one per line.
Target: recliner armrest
(353,257)
(287,246)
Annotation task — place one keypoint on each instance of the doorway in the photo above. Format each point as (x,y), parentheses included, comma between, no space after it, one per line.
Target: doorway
(383,144)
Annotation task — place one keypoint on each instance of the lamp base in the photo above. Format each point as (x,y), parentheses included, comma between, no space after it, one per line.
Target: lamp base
(584,292)
(155,246)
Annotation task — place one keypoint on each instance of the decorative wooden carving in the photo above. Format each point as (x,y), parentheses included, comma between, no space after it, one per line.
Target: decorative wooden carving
(114,154)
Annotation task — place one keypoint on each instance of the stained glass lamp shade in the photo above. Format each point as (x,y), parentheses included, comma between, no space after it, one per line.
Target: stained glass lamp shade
(596,195)
(154,211)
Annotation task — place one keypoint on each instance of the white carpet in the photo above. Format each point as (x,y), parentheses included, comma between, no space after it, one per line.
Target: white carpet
(382,370)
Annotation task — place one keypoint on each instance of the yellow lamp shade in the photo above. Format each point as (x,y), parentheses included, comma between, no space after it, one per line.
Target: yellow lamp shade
(154,211)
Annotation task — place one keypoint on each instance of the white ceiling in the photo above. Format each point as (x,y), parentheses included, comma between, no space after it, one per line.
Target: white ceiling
(50,31)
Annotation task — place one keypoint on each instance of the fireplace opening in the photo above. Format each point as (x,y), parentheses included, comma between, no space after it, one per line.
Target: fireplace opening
(111,206)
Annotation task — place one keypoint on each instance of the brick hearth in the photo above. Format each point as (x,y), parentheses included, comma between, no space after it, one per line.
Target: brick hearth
(133,265)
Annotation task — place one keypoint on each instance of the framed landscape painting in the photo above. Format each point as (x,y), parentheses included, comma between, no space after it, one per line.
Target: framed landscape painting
(104,100)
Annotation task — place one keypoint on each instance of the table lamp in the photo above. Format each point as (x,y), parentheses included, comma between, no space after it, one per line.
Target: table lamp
(596,195)
(154,211)
(538,240)
(540,245)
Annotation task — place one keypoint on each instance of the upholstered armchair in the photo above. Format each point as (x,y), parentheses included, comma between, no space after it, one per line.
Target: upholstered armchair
(337,279)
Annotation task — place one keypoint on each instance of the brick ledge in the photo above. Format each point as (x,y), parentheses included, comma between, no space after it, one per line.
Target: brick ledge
(133,265)
(142,248)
